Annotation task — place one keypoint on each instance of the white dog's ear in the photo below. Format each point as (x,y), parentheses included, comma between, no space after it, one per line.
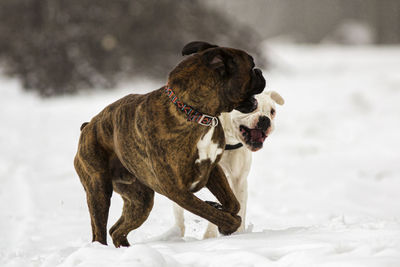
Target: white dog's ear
(276,97)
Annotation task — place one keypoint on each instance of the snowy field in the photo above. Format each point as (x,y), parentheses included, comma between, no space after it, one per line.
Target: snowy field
(324,191)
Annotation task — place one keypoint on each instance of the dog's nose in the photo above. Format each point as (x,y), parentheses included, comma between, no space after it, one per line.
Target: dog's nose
(258,81)
(257,71)
(263,123)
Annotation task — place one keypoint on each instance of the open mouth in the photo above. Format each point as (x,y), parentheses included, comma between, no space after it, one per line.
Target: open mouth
(254,138)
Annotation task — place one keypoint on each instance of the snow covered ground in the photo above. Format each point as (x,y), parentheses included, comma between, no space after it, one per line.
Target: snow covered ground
(324,191)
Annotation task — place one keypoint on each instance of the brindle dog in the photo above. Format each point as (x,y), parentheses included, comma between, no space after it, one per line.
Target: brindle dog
(145,143)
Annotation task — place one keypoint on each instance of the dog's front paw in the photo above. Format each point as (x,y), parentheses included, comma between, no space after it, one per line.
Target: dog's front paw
(232,227)
(232,207)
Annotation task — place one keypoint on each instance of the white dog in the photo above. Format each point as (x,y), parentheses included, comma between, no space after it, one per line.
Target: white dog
(243,133)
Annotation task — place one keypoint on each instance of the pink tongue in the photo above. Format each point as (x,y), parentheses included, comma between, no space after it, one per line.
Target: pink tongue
(256,135)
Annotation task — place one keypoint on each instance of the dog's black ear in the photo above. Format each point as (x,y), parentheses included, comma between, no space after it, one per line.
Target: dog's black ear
(196,46)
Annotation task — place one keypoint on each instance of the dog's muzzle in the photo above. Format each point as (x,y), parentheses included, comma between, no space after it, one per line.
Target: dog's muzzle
(257,85)
(257,81)
(264,123)
(255,137)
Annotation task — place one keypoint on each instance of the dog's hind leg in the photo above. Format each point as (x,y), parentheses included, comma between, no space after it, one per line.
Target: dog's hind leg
(98,188)
(91,164)
(138,202)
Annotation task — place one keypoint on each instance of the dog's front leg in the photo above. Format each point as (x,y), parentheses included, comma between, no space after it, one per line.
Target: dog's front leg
(179,218)
(227,222)
(240,189)
(219,186)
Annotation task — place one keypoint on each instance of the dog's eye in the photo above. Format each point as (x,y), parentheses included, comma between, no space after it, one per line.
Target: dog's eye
(273,112)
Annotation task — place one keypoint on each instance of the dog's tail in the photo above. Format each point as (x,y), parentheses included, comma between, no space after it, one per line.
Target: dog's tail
(83,125)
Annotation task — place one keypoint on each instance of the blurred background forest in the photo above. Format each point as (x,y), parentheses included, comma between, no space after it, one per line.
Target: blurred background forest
(57,47)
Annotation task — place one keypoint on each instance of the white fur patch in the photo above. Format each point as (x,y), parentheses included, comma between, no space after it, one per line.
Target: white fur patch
(193,186)
(207,148)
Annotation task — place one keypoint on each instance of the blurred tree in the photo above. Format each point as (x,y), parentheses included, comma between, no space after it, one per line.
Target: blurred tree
(313,21)
(61,46)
